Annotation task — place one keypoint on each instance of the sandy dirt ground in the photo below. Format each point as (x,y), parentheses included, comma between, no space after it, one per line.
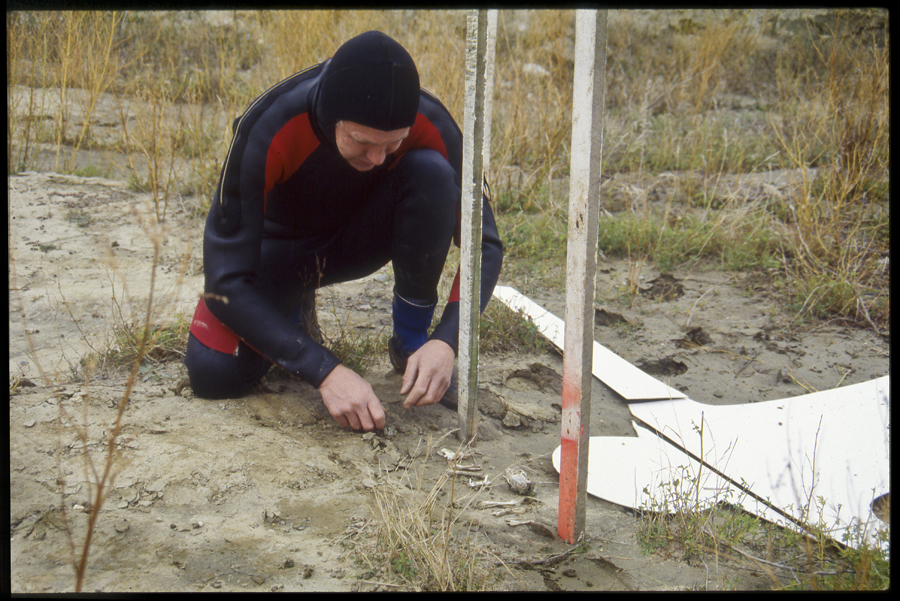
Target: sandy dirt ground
(268,493)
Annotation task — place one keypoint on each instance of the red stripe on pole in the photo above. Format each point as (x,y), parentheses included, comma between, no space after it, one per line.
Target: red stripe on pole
(568,462)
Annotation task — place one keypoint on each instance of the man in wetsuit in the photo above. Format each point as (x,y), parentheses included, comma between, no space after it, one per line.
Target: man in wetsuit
(331,174)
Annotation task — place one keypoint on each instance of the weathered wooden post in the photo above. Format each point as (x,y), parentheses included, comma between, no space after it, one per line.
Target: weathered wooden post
(581,265)
(476,136)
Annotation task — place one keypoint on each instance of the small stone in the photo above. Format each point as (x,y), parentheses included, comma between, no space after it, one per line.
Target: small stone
(155,485)
(122,525)
(518,481)
(512,420)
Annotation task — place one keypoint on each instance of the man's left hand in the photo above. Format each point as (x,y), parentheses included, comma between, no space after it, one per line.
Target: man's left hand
(428,373)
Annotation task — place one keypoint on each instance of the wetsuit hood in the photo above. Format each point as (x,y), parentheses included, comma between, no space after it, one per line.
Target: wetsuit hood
(371,80)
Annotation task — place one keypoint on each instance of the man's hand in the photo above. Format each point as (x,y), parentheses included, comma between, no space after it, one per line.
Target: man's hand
(351,401)
(428,373)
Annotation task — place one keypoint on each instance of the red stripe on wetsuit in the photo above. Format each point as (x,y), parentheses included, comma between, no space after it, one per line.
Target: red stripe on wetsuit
(290,147)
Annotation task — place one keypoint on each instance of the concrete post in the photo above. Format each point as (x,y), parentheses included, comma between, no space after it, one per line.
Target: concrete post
(476,151)
(589,96)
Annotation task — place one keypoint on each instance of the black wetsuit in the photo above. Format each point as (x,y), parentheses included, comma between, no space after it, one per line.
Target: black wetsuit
(290,215)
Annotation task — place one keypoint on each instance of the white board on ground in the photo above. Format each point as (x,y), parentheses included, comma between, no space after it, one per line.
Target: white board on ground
(617,373)
(821,457)
(646,472)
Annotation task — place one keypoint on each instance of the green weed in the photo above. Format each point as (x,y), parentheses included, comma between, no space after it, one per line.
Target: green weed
(79,217)
(503,331)
(130,341)
(92,171)
(358,350)
(743,245)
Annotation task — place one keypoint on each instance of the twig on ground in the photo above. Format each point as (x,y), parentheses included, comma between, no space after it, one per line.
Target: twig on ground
(550,559)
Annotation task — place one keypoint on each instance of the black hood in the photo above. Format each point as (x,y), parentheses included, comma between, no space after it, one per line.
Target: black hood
(371,80)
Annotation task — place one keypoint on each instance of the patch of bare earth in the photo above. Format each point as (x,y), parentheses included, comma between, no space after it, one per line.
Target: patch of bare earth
(267,493)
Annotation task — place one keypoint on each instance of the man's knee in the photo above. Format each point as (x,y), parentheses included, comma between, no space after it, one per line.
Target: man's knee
(429,197)
(215,375)
(428,170)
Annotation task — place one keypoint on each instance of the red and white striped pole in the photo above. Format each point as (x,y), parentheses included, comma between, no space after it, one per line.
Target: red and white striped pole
(588,104)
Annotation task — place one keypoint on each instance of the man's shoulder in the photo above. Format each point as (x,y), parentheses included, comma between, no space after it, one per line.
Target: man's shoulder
(429,104)
(280,103)
(300,82)
(438,114)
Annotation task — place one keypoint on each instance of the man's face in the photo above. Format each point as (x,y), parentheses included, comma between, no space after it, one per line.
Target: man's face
(364,147)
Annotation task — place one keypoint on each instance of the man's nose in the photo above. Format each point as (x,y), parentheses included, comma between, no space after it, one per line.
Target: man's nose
(376,155)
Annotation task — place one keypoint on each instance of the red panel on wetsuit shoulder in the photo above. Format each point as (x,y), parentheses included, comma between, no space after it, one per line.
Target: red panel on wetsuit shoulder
(423,134)
(289,148)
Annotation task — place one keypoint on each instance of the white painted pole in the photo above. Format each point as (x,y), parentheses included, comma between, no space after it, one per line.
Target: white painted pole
(588,103)
(475,151)
(490,62)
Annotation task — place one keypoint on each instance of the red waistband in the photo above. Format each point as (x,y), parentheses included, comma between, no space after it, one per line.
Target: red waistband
(212,332)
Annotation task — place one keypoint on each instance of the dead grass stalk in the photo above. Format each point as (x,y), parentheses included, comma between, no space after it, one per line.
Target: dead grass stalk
(422,540)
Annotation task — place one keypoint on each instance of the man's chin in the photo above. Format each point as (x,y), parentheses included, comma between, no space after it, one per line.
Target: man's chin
(361,166)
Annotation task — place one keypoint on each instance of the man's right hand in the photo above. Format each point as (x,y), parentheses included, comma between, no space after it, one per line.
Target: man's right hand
(351,401)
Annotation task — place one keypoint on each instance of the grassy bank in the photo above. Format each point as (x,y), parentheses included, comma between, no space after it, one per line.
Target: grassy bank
(694,96)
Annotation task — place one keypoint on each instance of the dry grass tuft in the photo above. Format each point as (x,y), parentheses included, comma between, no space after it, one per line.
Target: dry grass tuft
(421,540)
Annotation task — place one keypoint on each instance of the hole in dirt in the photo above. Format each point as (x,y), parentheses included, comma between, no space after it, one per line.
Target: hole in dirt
(663,367)
(695,337)
(664,288)
(541,376)
(602,317)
